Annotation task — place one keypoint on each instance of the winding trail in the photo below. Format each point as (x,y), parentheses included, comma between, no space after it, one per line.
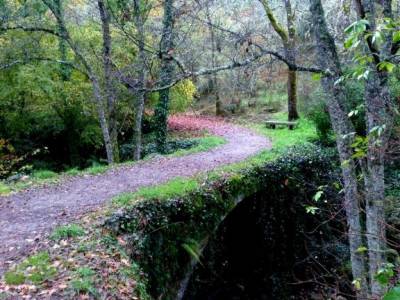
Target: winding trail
(26,217)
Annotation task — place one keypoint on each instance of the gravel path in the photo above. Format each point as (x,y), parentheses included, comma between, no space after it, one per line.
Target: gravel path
(27,216)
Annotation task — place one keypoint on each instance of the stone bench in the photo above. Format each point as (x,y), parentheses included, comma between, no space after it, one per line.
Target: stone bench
(272,124)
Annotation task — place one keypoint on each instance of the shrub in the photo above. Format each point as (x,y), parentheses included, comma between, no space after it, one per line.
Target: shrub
(182,96)
(320,116)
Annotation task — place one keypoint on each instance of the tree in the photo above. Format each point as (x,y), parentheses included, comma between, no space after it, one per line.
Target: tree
(166,73)
(109,78)
(288,37)
(379,120)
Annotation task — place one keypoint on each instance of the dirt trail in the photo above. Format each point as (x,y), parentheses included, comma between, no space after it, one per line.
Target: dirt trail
(27,216)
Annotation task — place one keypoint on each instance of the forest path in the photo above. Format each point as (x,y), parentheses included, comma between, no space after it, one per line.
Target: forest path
(26,217)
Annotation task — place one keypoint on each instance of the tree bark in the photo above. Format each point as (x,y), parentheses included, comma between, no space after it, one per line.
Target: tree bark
(288,38)
(141,94)
(218,104)
(166,72)
(329,60)
(291,56)
(378,103)
(108,78)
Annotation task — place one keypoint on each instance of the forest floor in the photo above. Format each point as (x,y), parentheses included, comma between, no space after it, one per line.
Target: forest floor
(28,216)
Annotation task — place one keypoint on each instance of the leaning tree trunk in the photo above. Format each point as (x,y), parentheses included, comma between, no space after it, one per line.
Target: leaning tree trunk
(141,93)
(166,72)
(329,61)
(108,77)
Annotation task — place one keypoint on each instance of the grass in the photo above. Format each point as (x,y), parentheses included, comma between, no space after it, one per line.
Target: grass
(4,189)
(67,231)
(173,188)
(73,172)
(43,174)
(204,144)
(36,269)
(96,169)
(283,138)
(84,282)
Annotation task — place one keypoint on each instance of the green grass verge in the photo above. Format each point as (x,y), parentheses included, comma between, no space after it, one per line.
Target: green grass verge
(173,188)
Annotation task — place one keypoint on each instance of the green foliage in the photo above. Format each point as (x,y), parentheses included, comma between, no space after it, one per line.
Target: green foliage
(43,174)
(67,231)
(72,172)
(9,161)
(393,294)
(321,119)
(385,274)
(182,96)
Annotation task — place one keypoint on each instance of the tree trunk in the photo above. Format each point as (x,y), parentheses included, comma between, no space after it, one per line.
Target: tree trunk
(379,120)
(141,94)
(290,46)
(288,38)
(378,103)
(292,96)
(218,104)
(166,72)
(328,59)
(108,78)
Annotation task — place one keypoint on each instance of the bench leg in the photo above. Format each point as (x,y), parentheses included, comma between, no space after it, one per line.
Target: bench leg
(291,127)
